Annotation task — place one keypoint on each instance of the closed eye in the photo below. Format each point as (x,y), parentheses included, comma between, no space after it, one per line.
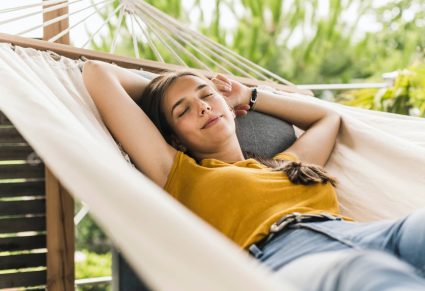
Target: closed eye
(203,97)
(181,114)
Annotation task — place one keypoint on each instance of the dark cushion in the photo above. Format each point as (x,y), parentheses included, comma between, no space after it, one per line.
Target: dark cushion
(258,133)
(263,134)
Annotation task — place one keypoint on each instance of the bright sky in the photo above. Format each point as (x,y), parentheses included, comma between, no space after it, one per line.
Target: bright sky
(79,34)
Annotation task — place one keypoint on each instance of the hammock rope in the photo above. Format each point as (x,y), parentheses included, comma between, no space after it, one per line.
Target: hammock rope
(67,30)
(133,35)
(50,9)
(60,18)
(108,20)
(198,44)
(117,32)
(150,41)
(24,7)
(148,27)
(164,43)
(219,52)
(173,42)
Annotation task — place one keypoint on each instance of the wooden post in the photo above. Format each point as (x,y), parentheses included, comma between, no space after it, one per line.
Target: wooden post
(55,28)
(60,235)
(59,204)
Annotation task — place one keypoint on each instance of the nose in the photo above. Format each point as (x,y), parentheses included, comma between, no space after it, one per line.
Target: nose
(204,107)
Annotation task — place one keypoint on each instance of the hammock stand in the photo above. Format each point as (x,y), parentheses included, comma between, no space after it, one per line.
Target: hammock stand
(59,205)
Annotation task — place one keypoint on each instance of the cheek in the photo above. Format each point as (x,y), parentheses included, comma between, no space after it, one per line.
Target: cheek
(184,128)
(225,108)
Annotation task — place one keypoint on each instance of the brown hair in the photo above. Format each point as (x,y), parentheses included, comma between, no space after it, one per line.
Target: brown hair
(150,103)
(297,172)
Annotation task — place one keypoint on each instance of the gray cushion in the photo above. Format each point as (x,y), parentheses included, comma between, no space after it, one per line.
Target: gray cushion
(263,134)
(257,132)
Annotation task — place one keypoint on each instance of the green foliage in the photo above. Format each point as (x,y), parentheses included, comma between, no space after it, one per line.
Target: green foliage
(406,96)
(296,40)
(93,253)
(90,237)
(94,265)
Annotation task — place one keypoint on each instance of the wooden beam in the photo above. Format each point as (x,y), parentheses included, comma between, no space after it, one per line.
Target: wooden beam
(56,28)
(130,63)
(59,204)
(60,235)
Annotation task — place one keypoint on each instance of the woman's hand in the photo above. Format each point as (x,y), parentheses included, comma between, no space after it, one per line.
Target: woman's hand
(236,94)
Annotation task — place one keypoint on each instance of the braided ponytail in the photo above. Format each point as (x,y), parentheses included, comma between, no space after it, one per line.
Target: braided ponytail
(297,172)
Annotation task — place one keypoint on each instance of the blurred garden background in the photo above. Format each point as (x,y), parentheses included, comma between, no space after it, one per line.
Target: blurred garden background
(304,41)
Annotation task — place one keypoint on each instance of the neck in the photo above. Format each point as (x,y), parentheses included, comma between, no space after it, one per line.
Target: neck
(229,153)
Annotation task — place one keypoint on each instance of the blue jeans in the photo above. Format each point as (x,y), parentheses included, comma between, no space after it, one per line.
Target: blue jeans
(341,255)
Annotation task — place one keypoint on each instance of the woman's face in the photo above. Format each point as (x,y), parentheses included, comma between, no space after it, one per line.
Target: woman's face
(189,104)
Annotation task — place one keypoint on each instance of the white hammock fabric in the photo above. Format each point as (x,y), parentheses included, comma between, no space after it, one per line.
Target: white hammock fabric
(167,245)
(379,160)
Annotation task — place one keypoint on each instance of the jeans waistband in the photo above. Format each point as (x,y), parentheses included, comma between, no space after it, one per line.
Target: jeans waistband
(282,224)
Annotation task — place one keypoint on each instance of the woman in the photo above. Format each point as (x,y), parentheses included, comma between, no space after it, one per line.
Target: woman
(283,211)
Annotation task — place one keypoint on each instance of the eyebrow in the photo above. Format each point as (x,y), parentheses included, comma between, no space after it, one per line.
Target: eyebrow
(199,87)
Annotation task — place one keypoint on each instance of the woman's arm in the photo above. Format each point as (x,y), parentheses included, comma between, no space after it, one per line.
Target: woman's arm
(321,125)
(301,113)
(132,83)
(112,89)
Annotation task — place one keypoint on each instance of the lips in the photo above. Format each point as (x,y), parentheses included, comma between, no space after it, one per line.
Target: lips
(211,120)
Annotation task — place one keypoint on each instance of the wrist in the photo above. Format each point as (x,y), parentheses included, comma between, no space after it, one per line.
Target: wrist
(246,96)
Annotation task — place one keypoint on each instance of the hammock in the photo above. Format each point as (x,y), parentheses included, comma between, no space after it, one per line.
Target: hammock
(379,159)
(167,245)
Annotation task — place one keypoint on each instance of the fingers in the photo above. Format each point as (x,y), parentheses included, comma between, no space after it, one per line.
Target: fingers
(221,85)
(223,79)
(241,112)
(241,109)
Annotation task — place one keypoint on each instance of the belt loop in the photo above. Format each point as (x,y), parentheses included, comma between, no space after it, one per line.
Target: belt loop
(255,251)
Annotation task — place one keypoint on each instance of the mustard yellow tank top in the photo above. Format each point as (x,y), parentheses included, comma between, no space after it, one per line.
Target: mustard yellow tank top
(243,199)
